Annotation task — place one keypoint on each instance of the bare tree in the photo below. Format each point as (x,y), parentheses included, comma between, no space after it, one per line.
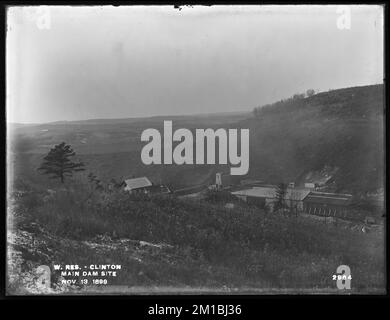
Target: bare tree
(294,201)
(281,192)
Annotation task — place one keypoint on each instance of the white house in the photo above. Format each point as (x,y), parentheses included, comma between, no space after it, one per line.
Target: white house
(141,184)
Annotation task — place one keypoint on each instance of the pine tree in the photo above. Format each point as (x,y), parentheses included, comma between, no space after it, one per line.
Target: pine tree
(57,163)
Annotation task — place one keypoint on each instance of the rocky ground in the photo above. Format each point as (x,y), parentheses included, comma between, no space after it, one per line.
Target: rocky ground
(31,246)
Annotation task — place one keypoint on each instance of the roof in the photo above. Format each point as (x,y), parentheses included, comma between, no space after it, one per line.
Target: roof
(297,194)
(137,183)
(260,192)
(321,177)
(329,198)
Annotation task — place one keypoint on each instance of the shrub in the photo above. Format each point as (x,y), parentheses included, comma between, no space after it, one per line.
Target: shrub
(215,196)
(240,239)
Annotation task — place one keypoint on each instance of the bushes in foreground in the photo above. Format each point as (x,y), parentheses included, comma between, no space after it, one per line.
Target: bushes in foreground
(240,238)
(80,213)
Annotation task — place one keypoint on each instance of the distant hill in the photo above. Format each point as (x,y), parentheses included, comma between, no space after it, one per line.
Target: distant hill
(229,116)
(341,129)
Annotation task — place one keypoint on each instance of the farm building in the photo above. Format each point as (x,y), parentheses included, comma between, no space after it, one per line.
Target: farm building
(300,199)
(141,184)
(267,196)
(310,185)
(327,204)
(261,196)
(295,197)
(144,185)
(317,180)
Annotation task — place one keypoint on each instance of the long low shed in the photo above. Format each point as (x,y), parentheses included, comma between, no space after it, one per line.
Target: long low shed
(327,204)
(267,196)
(302,199)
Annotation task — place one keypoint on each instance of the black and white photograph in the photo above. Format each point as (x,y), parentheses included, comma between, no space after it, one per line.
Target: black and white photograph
(195,150)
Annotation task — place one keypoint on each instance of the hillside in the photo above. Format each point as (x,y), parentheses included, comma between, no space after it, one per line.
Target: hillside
(166,244)
(341,129)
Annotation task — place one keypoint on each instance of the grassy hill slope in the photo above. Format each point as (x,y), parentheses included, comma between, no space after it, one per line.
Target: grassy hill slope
(341,128)
(200,246)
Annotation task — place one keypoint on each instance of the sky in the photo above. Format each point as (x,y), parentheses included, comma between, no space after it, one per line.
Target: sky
(76,63)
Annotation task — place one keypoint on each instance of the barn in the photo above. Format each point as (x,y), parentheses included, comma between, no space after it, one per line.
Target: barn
(144,185)
(295,196)
(327,204)
(260,196)
(267,196)
(138,185)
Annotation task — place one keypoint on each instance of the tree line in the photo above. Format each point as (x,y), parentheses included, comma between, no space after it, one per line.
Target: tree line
(296,98)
